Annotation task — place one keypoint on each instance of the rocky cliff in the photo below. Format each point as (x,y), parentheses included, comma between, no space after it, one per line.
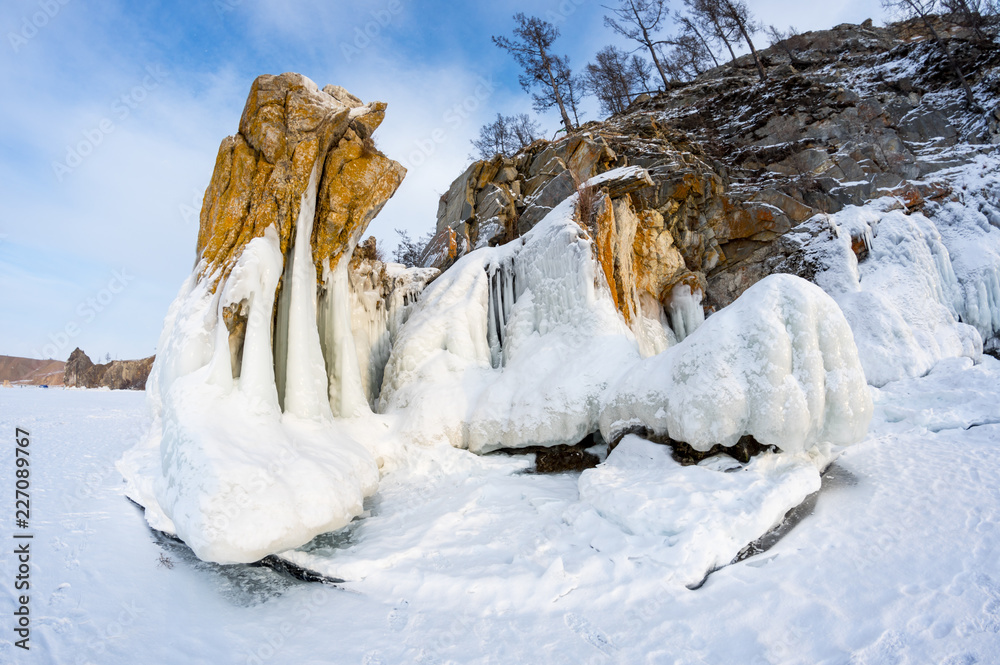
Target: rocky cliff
(846,116)
(81,372)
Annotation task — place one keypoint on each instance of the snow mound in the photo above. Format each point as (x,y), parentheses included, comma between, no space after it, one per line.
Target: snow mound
(779,364)
(705,515)
(222,467)
(513,346)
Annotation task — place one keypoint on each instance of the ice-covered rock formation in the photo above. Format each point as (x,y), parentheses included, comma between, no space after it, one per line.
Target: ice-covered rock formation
(779,364)
(275,333)
(745,180)
(525,345)
(512,346)
(903,300)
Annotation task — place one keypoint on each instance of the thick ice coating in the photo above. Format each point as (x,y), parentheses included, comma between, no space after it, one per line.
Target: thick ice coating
(512,346)
(222,467)
(778,364)
(259,350)
(517,346)
(904,302)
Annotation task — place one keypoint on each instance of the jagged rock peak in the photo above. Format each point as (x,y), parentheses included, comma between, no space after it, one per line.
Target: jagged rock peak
(293,137)
(81,372)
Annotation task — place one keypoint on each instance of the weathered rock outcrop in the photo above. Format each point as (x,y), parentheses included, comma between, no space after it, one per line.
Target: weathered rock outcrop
(735,164)
(297,145)
(294,136)
(81,372)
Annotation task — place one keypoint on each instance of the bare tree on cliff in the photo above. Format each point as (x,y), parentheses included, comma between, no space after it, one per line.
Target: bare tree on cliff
(708,15)
(687,54)
(506,135)
(640,20)
(736,14)
(977,15)
(532,49)
(780,39)
(691,37)
(924,10)
(569,89)
(574,87)
(408,251)
(615,78)
(687,57)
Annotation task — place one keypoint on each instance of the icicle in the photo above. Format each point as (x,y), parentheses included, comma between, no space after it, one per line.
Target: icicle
(502,296)
(346,396)
(380,298)
(686,312)
(257,369)
(305,381)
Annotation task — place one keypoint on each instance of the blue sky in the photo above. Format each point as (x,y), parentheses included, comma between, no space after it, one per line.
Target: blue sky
(113,113)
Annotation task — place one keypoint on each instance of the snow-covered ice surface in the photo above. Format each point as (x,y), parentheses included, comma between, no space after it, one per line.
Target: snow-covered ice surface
(466,559)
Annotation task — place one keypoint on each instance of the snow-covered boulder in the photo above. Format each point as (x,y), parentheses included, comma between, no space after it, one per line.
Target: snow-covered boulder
(702,515)
(779,364)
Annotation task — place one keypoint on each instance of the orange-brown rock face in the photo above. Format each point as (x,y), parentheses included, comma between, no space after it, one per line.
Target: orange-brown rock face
(636,253)
(357,181)
(290,128)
